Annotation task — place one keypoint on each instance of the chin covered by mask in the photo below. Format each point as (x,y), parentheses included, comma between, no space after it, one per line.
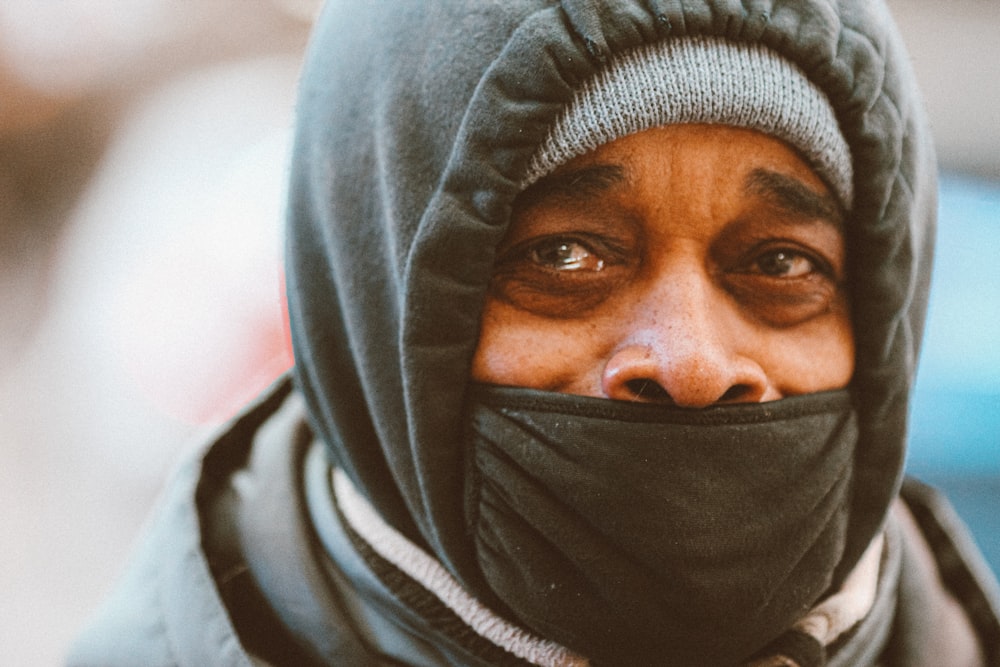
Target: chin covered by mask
(642,533)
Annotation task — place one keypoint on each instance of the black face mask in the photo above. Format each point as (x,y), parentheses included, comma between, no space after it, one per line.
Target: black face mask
(639,534)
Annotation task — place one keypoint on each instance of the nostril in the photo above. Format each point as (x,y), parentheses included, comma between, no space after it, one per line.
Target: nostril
(738,392)
(647,390)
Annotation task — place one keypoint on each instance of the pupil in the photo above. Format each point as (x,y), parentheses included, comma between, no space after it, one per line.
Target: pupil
(564,255)
(567,256)
(777,263)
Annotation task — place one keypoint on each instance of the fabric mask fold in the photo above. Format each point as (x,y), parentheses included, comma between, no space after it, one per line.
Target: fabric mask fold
(643,534)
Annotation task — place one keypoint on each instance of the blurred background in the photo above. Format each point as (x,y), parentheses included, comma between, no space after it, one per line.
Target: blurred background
(143,152)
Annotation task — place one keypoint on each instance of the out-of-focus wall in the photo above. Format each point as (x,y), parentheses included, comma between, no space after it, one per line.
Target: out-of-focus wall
(143,150)
(956,52)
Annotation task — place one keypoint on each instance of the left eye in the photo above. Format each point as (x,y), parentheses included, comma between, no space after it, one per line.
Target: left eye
(784,264)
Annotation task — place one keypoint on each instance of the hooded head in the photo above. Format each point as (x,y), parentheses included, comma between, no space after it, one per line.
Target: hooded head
(420,125)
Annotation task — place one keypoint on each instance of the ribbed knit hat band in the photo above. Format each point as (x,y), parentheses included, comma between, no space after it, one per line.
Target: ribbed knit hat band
(701,80)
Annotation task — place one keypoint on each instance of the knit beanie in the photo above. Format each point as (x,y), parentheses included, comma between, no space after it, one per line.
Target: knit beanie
(701,80)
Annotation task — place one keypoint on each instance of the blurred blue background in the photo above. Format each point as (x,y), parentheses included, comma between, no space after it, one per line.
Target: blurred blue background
(955,418)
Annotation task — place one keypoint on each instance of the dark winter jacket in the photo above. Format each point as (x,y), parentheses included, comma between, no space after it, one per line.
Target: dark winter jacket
(416,124)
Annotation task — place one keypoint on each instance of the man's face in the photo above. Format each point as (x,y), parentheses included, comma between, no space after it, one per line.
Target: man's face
(690,264)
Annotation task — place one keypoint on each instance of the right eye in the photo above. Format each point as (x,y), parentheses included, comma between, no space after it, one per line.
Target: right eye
(561,275)
(563,254)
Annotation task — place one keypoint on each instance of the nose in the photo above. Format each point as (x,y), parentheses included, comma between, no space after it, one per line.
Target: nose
(681,348)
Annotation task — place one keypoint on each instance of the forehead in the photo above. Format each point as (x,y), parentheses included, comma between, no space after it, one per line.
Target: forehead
(725,149)
(711,163)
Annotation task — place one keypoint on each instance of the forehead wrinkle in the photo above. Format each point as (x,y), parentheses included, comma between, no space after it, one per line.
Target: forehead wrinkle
(794,196)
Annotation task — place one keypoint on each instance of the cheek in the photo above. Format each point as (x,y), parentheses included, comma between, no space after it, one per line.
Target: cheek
(518,349)
(817,357)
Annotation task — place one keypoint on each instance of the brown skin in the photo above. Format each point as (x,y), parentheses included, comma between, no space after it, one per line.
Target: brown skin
(690,264)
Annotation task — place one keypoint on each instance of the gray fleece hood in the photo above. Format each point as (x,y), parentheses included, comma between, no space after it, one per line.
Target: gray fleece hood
(417,124)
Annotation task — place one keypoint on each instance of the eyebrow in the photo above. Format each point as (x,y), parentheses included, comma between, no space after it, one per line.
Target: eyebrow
(794,196)
(577,184)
